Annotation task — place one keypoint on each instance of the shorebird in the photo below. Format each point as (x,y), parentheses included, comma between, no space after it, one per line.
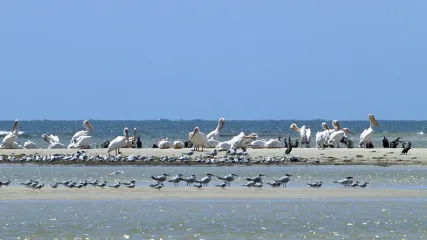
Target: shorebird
(315,185)
(363,185)
(346,182)
(102,185)
(256,179)
(228,178)
(285,179)
(355,184)
(249,184)
(206,179)
(117,185)
(5,183)
(157,186)
(198,185)
(161,178)
(54,185)
(189,180)
(274,184)
(175,180)
(129,183)
(223,185)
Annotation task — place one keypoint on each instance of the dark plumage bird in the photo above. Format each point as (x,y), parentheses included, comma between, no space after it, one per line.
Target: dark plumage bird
(406,149)
(155,146)
(386,143)
(288,149)
(138,142)
(296,143)
(395,143)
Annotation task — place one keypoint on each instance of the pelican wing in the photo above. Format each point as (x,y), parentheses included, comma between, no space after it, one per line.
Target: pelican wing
(366,133)
(54,139)
(308,133)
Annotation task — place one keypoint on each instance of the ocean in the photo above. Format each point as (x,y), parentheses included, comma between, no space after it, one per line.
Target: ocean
(152,131)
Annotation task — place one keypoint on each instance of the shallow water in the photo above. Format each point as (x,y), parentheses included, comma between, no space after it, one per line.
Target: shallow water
(216,218)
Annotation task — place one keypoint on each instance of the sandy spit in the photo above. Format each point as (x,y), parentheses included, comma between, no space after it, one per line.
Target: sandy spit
(341,156)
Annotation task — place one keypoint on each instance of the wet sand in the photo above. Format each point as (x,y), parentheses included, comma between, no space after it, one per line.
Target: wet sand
(191,193)
(341,156)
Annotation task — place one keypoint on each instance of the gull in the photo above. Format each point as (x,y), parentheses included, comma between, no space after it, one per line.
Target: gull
(228,178)
(117,173)
(346,182)
(249,184)
(39,186)
(223,185)
(175,180)
(160,178)
(256,179)
(117,185)
(285,179)
(157,185)
(315,185)
(129,183)
(27,183)
(206,179)
(274,184)
(189,180)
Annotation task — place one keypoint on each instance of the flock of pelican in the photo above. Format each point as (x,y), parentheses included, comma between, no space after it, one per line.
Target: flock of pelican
(200,140)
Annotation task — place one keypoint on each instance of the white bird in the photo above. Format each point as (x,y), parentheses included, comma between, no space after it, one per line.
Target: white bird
(118,142)
(323,136)
(274,143)
(304,132)
(132,140)
(81,133)
(242,141)
(53,141)
(212,143)
(366,135)
(29,144)
(178,145)
(10,139)
(215,133)
(198,139)
(285,179)
(164,144)
(346,181)
(257,144)
(338,133)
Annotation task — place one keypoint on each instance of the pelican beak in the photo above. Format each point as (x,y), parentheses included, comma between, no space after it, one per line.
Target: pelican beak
(221,123)
(15,126)
(373,120)
(90,126)
(294,127)
(196,130)
(127,134)
(350,132)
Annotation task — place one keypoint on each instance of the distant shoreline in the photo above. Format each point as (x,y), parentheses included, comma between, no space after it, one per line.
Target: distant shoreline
(263,157)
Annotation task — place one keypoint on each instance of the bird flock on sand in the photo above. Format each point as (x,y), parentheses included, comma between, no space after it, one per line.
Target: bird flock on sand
(328,137)
(191,181)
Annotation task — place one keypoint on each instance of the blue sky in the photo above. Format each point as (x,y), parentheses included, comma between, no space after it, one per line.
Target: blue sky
(141,60)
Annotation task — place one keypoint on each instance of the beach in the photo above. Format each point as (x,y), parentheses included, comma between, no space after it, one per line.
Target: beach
(329,156)
(192,193)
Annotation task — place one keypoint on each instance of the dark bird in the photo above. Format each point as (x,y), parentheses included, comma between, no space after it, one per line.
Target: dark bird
(288,149)
(296,143)
(394,143)
(138,142)
(386,143)
(406,149)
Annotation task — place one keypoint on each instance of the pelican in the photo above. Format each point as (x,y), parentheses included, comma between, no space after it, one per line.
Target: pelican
(29,144)
(366,135)
(337,134)
(178,145)
(132,140)
(198,139)
(274,143)
(53,141)
(10,139)
(258,144)
(304,134)
(323,136)
(242,141)
(118,142)
(215,133)
(82,142)
(164,144)
(81,133)
(212,143)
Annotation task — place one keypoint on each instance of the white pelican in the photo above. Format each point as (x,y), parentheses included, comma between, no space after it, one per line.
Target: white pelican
(53,141)
(178,144)
(132,140)
(10,139)
(338,133)
(215,133)
(223,146)
(164,144)
(212,143)
(304,134)
(82,142)
(198,139)
(275,143)
(257,144)
(118,142)
(366,135)
(86,132)
(323,136)
(29,144)
(240,141)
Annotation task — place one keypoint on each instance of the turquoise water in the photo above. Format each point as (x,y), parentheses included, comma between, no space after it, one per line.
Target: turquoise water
(153,131)
(338,218)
